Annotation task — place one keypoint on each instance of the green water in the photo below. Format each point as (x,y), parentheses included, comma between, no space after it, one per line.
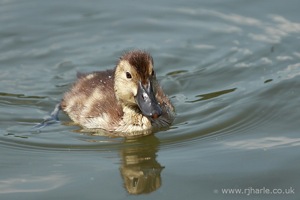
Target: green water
(231,69)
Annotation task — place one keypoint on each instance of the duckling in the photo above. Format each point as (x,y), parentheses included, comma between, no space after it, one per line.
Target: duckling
(127,99)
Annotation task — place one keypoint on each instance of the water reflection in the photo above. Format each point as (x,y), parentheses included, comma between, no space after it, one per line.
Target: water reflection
(140,170)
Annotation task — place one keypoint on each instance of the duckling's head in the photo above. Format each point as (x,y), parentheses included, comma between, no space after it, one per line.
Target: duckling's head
(135,83)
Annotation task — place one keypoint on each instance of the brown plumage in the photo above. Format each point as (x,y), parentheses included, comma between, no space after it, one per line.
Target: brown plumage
(126,100)
(140,61)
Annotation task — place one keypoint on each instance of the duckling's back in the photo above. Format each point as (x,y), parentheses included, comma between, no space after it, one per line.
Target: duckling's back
(92,103)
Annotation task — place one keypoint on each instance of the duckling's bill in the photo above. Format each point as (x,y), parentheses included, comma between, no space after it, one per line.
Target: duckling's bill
(146,100)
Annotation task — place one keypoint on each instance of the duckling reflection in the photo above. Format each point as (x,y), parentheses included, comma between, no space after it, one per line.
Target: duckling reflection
(140,170)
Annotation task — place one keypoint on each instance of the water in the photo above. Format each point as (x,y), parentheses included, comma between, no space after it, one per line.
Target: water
(231,69)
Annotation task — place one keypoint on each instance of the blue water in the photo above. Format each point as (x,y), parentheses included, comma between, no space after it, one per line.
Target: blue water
(230,68)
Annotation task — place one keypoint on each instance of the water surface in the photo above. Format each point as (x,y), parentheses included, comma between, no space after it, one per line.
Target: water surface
(230,68)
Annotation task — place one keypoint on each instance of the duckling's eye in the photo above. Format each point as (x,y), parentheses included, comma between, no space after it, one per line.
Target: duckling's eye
(152,73)
(128,75)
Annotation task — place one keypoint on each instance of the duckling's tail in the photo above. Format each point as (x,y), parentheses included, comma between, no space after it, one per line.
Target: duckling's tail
(51,119)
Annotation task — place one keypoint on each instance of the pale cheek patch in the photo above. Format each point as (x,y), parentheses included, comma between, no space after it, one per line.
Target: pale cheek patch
(134,91)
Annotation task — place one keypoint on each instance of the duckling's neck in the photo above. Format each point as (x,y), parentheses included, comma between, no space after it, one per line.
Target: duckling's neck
(133,120)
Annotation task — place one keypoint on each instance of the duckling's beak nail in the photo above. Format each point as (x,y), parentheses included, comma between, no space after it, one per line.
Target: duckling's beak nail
(147,102)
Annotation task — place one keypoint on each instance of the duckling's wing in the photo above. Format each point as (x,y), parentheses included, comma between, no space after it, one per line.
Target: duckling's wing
(91,102)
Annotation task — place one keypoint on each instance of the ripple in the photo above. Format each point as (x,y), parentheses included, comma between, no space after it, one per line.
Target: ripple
(45,183)
(264,143)
(60,143)
(212,95)
(239,112)
(21,96)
